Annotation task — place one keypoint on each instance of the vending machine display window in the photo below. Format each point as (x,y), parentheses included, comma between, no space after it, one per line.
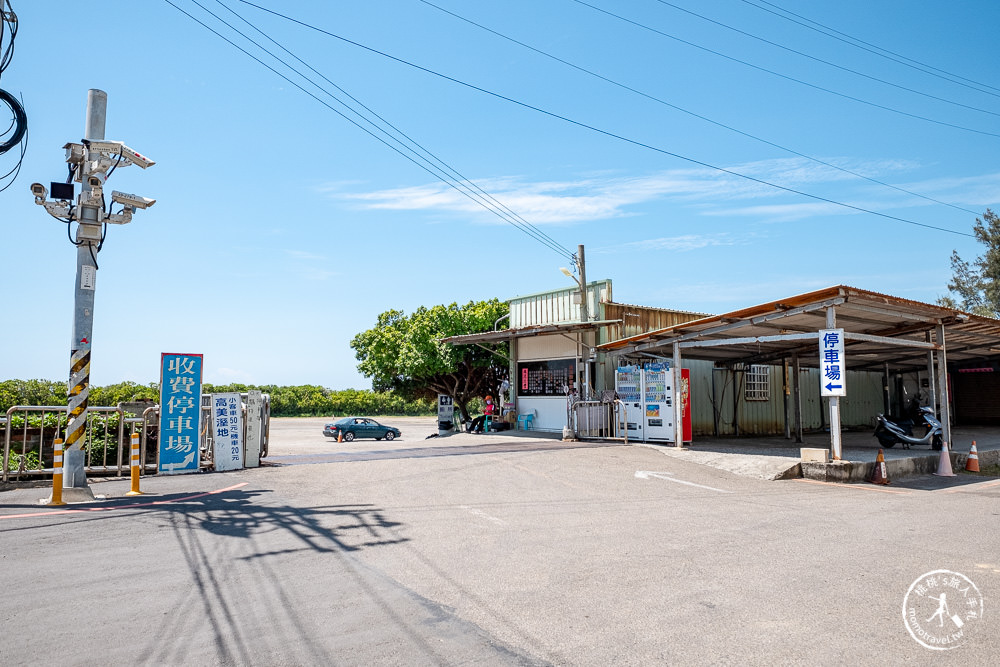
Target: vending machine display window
(546,378)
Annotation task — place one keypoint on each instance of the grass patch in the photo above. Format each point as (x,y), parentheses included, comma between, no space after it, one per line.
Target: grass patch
(985,471)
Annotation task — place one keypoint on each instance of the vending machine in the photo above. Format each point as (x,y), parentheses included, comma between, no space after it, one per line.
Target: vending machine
(657,404)
(628,385)
(648,394)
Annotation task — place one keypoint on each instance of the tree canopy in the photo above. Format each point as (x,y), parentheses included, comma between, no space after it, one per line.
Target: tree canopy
(976,286)
(403,353)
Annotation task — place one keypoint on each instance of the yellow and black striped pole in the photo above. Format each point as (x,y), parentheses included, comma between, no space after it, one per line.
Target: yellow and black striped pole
(135,467)
(57,475)
(79,392)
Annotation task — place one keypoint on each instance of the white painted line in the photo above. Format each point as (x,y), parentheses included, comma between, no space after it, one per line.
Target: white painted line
(646,474)
(483,515)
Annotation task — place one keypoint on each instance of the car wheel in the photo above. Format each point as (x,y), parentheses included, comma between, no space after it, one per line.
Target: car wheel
(349,436)
(390,435)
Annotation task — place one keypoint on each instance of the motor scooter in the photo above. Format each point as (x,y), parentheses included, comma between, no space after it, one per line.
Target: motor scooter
(890,432)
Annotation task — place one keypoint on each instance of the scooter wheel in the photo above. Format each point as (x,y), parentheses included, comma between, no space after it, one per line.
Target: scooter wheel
(888,444)
(936,443)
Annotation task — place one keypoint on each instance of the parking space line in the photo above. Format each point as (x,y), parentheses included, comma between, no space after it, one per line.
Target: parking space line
(851,486)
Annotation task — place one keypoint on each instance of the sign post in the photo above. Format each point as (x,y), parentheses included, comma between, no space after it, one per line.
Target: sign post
(446,414)
(833,378)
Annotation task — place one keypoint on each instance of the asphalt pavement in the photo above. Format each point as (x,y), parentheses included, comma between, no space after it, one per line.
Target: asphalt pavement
(491,550)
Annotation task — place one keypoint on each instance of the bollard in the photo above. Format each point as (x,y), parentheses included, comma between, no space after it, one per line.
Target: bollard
(135,467)
(57,474)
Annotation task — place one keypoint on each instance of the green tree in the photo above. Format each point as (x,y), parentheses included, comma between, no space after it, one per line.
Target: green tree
(975,287)
(404,353)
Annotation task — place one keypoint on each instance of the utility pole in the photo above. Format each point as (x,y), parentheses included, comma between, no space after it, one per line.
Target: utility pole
(90,164)
(581,265)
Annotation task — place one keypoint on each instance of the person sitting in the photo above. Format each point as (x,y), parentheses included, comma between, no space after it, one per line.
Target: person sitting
(479,423)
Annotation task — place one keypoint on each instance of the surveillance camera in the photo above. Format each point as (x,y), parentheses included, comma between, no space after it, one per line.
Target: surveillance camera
(135,201)
(135,158)
(96,180)
(74,153)
(40,191)
(117,148)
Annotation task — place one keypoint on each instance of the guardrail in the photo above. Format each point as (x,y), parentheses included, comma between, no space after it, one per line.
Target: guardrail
(599,420)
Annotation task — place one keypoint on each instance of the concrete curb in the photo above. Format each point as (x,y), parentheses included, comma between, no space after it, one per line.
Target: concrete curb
(861,471)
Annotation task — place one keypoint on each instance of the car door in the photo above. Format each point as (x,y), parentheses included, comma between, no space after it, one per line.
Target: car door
(375,430)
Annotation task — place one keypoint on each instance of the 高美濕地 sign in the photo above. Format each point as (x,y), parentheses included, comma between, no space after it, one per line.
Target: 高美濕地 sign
(832,364)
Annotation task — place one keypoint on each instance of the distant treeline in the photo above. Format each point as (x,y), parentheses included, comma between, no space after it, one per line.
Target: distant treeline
(300,401)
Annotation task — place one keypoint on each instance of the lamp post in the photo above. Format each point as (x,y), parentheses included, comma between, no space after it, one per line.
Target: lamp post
(581,266)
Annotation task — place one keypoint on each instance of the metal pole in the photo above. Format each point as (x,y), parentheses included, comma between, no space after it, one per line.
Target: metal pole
(88,236)
(798,398)
(932,385)
(785,390)
(942,386)
(886,399)
(581,263)
(835,440)
(677,402)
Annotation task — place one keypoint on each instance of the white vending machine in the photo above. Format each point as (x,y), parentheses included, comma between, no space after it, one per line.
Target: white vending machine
(658,406)
(648,396)
(628,385)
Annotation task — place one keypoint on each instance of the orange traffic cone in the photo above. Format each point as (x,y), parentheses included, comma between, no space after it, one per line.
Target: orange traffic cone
(340,436)
(879,473)
(972,463)
(944,465)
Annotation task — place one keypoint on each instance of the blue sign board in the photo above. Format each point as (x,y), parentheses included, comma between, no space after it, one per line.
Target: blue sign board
(180,412)
(832,363)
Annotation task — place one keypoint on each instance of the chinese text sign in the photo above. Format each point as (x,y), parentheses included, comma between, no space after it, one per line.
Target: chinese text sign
(832,363)
(227,431)
(180,412)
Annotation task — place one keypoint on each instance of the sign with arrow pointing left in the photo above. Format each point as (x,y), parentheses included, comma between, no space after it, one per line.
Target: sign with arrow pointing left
(832,363)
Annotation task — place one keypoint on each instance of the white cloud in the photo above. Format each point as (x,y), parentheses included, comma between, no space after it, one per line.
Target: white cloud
(682,243)
(613,196)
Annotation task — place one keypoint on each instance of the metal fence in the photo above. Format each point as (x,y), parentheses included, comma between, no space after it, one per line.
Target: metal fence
(600,420)
(29,432)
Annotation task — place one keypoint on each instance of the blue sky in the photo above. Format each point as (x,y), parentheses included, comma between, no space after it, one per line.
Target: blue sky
(281,230)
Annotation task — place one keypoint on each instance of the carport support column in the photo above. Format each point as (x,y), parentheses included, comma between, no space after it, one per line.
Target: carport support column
(677,403)
(798,398)
(932,383)
(835,443)
(942,387)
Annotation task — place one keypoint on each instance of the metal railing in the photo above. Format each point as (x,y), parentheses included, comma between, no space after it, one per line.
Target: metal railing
(600,420)
(29,432)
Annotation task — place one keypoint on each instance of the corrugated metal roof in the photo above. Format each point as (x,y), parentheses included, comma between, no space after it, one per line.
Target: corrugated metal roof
(759,334)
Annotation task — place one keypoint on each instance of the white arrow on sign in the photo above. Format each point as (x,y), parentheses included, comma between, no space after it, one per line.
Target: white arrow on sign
(646,474)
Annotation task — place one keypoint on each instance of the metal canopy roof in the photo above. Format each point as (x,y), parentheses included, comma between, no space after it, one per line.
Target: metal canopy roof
(879,329)
(505,335)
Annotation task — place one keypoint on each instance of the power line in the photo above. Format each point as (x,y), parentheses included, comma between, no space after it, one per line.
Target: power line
(875,49)
(783,76)
(826,62)
(426,167)
(664,102)
(519,221)
(606,133)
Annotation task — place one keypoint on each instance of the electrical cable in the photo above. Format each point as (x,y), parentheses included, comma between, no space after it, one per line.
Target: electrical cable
(606,133)
(460,177)
(695,114)
(429,168)
(783,76)
(875,49)
(826,62)
(20,123)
